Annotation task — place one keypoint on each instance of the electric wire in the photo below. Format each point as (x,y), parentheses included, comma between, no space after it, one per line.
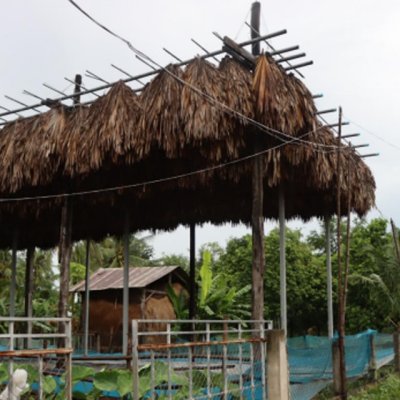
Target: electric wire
(291,139)
(211,99)
(395,146)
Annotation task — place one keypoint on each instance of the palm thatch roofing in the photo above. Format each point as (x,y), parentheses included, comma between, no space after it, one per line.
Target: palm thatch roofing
(171,129)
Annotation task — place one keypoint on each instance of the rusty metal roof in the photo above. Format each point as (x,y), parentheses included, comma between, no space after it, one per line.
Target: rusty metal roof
(112,278)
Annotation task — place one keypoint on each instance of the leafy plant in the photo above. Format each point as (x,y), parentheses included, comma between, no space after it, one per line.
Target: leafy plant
(179,302)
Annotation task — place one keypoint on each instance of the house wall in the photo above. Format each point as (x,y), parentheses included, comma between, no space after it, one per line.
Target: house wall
(105,314)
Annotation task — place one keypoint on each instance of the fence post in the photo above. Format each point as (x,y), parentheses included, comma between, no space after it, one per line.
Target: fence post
(396,344)
(336,366)
(135,359)
(277,366)
(68,366)
(372,361)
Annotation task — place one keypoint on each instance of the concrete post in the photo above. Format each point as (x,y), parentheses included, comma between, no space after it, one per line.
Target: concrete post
(396,345)
(277,365)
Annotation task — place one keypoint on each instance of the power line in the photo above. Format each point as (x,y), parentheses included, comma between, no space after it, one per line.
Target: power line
(375,135)
(210,98)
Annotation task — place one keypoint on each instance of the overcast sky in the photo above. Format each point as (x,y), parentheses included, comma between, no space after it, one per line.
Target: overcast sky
(354,45)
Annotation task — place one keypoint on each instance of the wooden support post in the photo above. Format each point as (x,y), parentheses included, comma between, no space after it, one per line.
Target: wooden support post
(257,217)
(348,233)
(282,258)
(396,345)
(277,366)
(29,280)
(192,273)
(125,301)
(13,273)
(329,275)
(341,317)
(87,301)
(372,367)
(336,366)
(65,249)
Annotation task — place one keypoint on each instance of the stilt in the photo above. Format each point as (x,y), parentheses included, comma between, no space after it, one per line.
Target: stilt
(13,273)
(87,301)
(29,279)
(329,275)
(282,259)
(192,274)
(257,218)
(125,302)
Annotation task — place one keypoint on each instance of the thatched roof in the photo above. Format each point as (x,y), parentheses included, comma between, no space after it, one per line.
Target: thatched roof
(170,129)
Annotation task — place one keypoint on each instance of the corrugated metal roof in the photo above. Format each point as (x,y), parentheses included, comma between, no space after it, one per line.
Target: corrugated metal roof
(112,278)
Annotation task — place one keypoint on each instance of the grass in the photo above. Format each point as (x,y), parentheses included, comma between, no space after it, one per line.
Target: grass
(387,387)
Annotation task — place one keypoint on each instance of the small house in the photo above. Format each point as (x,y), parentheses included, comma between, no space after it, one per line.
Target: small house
(148,299)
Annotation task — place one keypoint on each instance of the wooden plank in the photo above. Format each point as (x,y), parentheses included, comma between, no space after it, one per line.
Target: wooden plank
(242,55)
(34,353)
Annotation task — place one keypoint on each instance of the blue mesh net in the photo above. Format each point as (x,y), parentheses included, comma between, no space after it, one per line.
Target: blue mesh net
(310,360)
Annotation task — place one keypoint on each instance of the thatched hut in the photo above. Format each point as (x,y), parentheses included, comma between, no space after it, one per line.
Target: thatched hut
(148,299)
(181,152)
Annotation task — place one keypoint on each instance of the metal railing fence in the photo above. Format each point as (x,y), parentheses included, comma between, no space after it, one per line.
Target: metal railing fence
(19,347)
(199,359)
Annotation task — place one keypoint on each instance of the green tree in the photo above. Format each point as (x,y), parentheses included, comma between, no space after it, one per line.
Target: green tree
(306,279)
(109,253)
(371,253)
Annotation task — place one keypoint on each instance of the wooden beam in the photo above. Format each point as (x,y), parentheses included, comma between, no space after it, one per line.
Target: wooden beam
(239,53)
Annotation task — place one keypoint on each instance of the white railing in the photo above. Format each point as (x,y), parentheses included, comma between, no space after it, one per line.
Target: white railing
(14,352)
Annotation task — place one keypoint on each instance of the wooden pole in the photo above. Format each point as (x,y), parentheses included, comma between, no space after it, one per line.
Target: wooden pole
(329,275)
(125,300)
(257,217)
(395,240)
(342,363)
(65,247)
(282,259)
(13,273)
(29,279)
(192,273)
(87,300)
(348,233)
